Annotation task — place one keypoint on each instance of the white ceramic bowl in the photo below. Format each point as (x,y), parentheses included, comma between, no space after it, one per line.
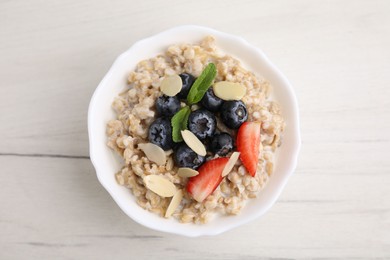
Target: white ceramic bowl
(107,163)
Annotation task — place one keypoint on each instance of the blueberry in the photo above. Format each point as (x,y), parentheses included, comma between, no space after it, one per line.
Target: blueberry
(185,157)
(167,106)
(233,113)
(202,123)
(221,144)
(160,133)
(187,80)
(211,101)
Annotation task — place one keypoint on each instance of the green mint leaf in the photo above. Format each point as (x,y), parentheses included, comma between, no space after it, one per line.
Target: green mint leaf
(179,122)
(202,84)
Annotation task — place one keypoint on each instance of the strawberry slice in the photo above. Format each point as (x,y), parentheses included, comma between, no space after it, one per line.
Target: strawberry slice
(208,179)
(248,144)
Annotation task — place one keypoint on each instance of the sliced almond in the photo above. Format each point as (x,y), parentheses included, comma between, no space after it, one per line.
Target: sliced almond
(171,85)
(187,172)
(229,90)
(175,202)
(193,142)
(160,185)
(154,153)
(230,164)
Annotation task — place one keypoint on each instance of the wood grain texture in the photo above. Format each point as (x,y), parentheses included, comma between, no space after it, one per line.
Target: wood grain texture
(335,53)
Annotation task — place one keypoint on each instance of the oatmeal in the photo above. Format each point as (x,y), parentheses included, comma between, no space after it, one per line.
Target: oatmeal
(159,132)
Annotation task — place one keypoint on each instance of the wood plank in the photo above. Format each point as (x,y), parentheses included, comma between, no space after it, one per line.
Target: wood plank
(55,208)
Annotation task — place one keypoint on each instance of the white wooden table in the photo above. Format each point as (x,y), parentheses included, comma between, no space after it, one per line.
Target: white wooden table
(335,53)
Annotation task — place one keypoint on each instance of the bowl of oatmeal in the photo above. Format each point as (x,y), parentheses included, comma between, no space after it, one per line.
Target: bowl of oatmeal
(193,131)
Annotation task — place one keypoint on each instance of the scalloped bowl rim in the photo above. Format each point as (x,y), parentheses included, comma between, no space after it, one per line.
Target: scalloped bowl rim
(106,164)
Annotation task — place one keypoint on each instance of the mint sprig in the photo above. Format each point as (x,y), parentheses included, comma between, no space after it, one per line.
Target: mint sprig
(197,91)
(179,122)
(202,84)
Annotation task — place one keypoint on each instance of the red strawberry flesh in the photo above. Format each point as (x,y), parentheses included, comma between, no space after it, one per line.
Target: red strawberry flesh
(208,179)
(248,144)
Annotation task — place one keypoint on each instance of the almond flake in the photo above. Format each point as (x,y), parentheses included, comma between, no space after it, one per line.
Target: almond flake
(230,164)
(160,185)
(175,202)
(193,142)
(154,153)
(171,85)
(187,172)
(229,90)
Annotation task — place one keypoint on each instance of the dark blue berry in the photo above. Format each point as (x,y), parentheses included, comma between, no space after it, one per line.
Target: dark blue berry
(160,133)
(187,80)
(185,157)
(202,123)
(233,113)
(167,106)
(211,101)
(221,144)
